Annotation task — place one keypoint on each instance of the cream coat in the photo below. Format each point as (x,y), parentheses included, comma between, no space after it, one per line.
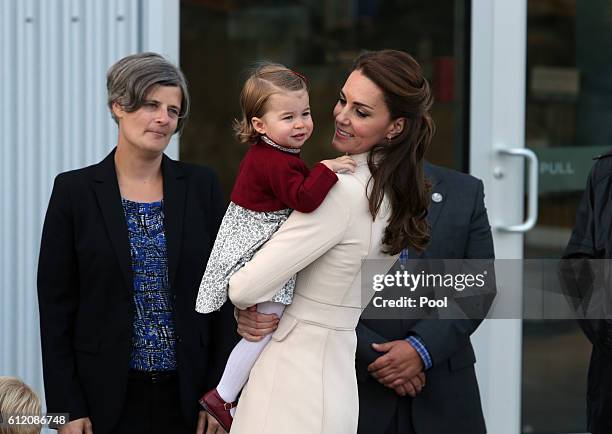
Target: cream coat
(304,381)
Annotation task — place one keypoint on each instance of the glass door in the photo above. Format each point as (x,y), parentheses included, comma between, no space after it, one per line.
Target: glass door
(568,117)
(541,83)
(319,39)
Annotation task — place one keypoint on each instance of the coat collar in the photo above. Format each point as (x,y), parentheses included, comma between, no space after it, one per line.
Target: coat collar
(107,191)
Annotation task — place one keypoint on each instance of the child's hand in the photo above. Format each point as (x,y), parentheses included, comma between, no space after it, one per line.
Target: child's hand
(342,164)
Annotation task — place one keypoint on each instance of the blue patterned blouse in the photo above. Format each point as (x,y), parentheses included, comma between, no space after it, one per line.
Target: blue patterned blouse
(153,339)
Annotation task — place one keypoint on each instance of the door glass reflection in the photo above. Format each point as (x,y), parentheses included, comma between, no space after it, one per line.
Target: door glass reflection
(220,39)
(569,109)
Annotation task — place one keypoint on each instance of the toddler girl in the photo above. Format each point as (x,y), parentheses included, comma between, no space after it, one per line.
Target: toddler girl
(272,181)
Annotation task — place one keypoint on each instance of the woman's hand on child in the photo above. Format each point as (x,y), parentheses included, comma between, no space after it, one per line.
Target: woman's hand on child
(253,326)
(341,164)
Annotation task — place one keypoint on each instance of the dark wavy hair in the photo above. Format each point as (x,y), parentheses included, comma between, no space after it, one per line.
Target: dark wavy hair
(397,164)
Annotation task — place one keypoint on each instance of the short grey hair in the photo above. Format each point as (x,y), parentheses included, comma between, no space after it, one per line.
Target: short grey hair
(130,79)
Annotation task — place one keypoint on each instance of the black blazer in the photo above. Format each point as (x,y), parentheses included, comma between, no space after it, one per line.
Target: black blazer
(592,239)
(450,402)
(85,290)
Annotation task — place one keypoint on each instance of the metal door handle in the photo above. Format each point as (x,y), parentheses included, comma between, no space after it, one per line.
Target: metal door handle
(532,189)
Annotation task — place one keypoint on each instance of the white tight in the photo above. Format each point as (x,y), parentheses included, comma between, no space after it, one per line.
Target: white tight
(243,357)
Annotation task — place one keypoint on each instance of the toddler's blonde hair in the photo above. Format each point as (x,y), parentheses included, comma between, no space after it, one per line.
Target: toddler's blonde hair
(17,399)
(265,80)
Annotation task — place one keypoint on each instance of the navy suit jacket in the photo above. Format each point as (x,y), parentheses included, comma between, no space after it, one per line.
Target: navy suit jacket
(450,402)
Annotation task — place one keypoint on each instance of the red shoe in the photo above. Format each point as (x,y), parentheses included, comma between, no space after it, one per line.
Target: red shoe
(217,408)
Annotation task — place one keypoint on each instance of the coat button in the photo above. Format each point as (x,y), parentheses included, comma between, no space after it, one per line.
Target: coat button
(437,197)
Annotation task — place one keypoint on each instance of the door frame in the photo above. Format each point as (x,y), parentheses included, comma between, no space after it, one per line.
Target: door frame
(497,121)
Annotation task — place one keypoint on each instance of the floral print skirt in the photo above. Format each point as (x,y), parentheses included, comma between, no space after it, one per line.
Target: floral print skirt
(241,234)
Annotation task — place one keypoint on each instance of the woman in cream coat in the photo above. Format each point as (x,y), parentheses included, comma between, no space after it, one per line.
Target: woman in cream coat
(304,381)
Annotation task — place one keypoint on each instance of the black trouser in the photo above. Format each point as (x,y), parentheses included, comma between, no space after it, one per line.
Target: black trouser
(401,422)
(152,406)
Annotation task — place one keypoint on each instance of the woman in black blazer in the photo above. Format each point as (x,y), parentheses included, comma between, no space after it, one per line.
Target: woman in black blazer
(124,246)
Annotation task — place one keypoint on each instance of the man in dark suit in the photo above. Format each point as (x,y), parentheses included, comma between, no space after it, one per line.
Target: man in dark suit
(434,352)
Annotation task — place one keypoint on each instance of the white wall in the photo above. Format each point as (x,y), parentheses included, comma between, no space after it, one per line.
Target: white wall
(53,117)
